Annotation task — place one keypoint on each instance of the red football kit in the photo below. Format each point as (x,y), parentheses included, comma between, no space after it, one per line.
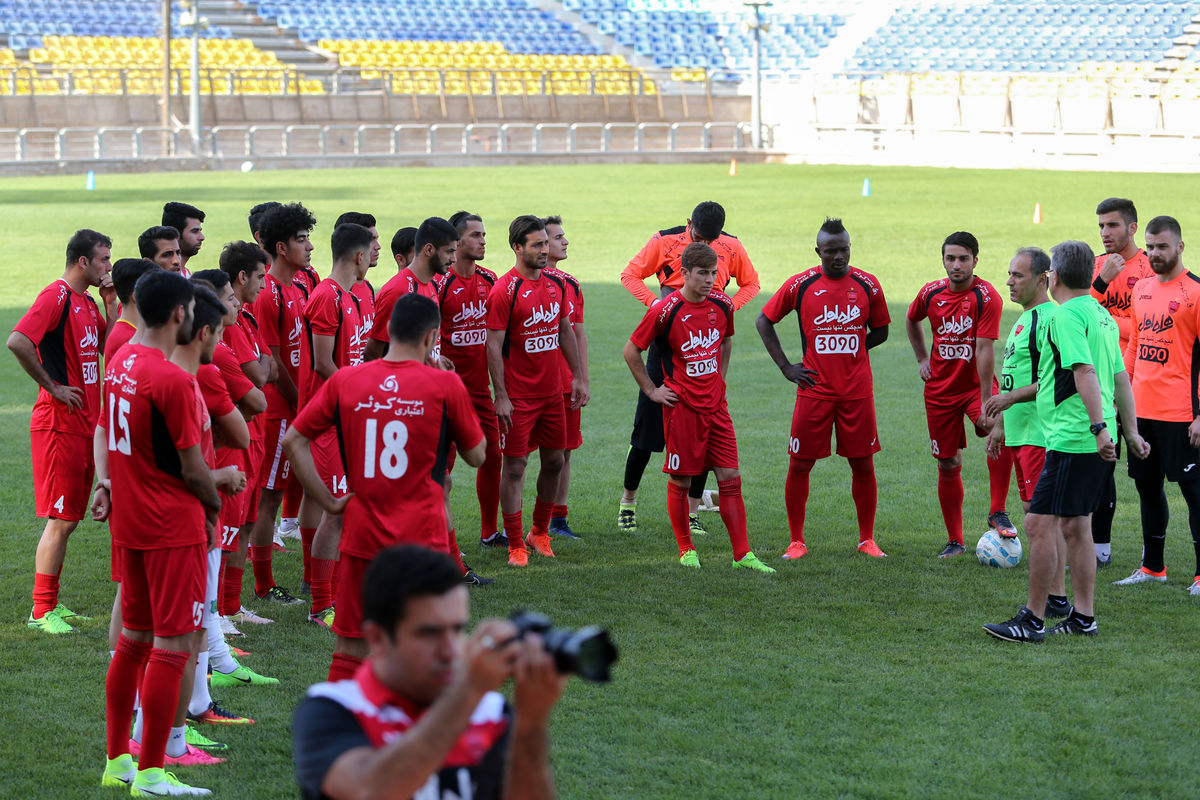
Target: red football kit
(120,334)
(278,311)
(463,303)
(573,295)
(1117,296)
(247,344)
(663,254)
(215,383)
(404,282)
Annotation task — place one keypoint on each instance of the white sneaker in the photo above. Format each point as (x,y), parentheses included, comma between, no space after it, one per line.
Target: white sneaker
(287,529)
(158,783)
(254,619)
(708,501)
(228,628)
(1141,575)
(1194,589)
(277,542)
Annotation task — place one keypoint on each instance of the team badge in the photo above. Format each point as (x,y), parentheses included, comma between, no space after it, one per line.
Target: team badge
(965,305)
(1019,329)
(1132,280)
(851,297)
(712,318)
(1173,306)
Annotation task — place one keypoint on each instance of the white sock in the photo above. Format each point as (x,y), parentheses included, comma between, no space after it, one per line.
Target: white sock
(1103,551)
(201,699)
(176,743)
(137,726)
(218,651)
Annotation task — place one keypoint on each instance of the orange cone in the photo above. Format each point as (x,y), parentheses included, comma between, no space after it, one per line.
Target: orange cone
(733,167)
(1037,213)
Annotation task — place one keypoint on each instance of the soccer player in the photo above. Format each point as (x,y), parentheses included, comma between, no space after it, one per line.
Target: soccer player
(278,310)
(436,726)
(528,325)
(256,217)
(364,289)
(188,220)
(555,254)
(160,244)
(58,344)
(1080,375)
(1121,266)
(396,418)
(964,315)
(660,258)
(163,505)
(694,327)
(1161,357)
(125,274)
(404,246)
(842,315)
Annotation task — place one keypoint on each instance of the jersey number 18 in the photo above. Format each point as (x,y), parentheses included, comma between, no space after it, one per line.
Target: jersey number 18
(392,460)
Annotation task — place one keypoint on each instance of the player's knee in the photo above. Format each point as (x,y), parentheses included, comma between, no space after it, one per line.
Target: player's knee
(552,460)
(862,467)
(950,464)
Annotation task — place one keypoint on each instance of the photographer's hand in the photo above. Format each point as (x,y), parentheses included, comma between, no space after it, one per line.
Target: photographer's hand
(536,688)
(490,656)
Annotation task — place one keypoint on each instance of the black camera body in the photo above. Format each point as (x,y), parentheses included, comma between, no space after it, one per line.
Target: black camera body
(587,652)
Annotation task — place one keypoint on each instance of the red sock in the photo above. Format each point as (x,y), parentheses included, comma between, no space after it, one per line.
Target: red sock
(514,532)
(292,495)
(558,511)
(343,667)
(120,689)
(795,496)
(677,510)
(541,515)
(337,576)
(322,583)
(487,486)
(733,514)
(950,496)
(306,539)
(221,581)
(260,560)
(865,492)
(454,552)
(999,473)
(160,698)
(231,602)
(45,594)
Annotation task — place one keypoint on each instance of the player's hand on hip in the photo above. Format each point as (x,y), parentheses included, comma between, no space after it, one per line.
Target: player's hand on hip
(536,684)
(664,396)
(800,375)
(490,655)
(923,369)
(69,396)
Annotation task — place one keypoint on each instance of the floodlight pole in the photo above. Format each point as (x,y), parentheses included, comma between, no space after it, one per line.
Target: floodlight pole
(191,16)
(166,75)
(756,101)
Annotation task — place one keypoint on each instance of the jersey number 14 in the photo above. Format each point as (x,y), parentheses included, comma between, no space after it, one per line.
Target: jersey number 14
(386,450)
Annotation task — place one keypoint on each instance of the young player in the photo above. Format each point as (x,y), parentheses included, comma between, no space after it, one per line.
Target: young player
(964,315)
(842,315)
(1161,357)
(693,327)
(528,325)
(125,274)
(363,289)
(660,258)
(58,344)
(188,220)
(396,418)
(555,254)
(255,219)
(404,246)
(160,244)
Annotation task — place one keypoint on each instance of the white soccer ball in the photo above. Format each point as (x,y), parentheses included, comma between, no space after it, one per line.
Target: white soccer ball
(247,166)
(995,550)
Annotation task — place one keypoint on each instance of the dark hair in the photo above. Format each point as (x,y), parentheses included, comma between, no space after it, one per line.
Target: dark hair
(209,310)
(398,573)
(437,232)
(1126,208)
(459,220)
(348,239)
(176,215)
(258,212)
(1162,224)
(216,277)
(239,257)
(708,219)
(1039,260)
(962,239)
(553,219)
(413,316)
(159,233)
(83,244)
(125,274)
(357,217)
(832,226)
(1074,263)
(520,228)
(404,241)
(697,254)
(281,224)
(158,293)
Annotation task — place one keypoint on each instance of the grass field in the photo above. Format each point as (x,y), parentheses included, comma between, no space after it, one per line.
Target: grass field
(841,676)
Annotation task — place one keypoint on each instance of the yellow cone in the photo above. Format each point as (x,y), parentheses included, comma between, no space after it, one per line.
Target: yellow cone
(733,167)
(1037,213)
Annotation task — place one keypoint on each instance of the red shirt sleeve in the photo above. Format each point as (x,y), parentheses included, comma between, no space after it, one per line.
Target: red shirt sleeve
(917,310)
(320,413)
(647,330)
(783,302)
(266,311)
(499,307)
(989,316)
(579,304)
(640,267)
(383,312)
(236,382)
(45,312)
(879,315)
(323,313)
(212,386)
(179,411)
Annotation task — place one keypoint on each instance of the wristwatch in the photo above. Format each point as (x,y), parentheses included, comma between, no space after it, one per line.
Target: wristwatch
(1096,427)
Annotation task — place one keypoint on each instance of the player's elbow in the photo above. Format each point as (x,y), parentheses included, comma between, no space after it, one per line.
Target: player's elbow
(16,342)
(253,403)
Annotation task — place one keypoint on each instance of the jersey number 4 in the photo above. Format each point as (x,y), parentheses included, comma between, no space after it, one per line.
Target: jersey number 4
(118,417)
(386,450)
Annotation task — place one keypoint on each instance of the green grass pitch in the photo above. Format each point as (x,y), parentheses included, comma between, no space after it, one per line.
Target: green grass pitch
(841,676)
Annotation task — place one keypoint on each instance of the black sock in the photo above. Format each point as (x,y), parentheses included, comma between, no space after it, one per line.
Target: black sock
(696,490)
(1155,517)
(1086,620)
(1102,518)
(1057,599)
(635,465)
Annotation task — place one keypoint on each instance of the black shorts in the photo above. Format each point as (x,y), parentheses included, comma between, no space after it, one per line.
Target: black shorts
(1170,452)
(648,419)
(1071,484)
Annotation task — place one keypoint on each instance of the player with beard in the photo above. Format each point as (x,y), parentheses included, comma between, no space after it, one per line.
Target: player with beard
(160,244)
(189,221)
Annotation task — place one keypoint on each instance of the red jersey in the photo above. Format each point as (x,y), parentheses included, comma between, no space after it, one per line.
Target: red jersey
(278,310)
(306,279)
(1162,357)
(1117,296)
(662,255)
(210,394)
(365,293)
(150,414)
(332,311)
(67,329)
(530,312)
(834,316)
(247,342)
(395,423)
(573,296)
(689,336)
(957,320)
(404,282)
(122,331)
(463,302)
(237,385)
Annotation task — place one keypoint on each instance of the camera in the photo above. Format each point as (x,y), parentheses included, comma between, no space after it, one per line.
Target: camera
(587,652)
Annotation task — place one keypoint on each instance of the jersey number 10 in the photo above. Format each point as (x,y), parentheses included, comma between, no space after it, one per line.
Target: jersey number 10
(392,460)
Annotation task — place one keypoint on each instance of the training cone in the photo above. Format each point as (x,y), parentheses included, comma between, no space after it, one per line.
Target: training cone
(90,184)
(866,187)
(1037,213)
(733,167)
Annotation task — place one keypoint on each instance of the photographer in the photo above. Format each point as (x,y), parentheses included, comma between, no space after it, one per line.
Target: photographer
(421,717)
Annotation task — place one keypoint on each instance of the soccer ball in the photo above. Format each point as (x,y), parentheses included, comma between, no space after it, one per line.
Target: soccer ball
(994,550)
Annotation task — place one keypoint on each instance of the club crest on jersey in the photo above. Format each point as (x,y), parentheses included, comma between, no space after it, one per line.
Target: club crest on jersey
(965,305)
(1132,280)
(852,297)
(712,318)
(1173,306)
(1019,329)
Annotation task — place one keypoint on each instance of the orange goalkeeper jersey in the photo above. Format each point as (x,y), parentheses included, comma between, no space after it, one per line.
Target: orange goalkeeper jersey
(664,251)
(1117,296)
(1162,357)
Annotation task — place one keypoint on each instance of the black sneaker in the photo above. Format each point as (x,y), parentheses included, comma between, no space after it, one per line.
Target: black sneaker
(497,539)
(560,527)
(474,579)
(952,549)
(1018,629)
(282,596)
(1058,608)
(1073,625)
(1002,524)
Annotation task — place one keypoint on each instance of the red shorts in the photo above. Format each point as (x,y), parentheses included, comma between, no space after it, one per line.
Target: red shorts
(327,458)
(229,522)
(944,417)
(253,491)
(696,442)
(114,561)
(163,590)
(536,422)
(1028,460)
(814,419)
(276,470)
(348,620)
(574,423)
(63,467)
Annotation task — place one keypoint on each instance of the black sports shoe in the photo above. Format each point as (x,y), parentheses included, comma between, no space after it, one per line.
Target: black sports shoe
(952,549)
(1018,629)
(497,539)
(471,578)
(1058,608)
(559,527)
(282,596)
(1072,625)
(1002,524)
